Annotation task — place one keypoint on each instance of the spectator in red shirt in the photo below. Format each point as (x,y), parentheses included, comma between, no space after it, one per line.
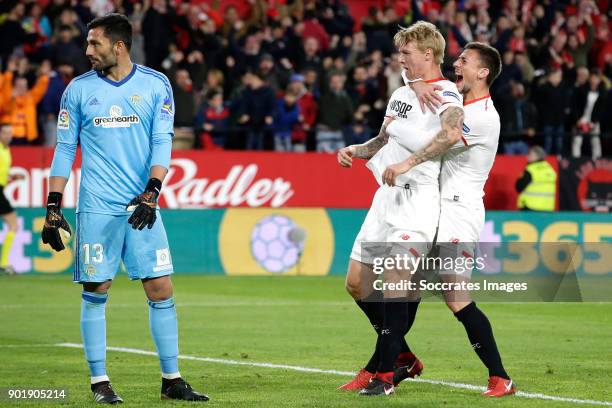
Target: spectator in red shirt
(212,121)
(308,110)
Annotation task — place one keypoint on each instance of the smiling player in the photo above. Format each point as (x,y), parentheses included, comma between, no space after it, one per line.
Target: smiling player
(465,169)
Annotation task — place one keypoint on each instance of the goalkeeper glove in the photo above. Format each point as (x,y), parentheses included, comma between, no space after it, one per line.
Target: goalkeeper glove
(144,206)
(55,223)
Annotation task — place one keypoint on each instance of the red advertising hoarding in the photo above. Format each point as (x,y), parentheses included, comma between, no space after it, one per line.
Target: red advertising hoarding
(199,179)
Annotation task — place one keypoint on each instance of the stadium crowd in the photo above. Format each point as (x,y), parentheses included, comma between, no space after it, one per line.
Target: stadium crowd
(306,75)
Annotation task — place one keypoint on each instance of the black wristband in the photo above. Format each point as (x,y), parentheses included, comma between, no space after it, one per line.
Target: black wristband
(154,185)
(54,199)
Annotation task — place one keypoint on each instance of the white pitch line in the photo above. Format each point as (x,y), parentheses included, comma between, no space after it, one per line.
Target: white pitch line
(26,345)
(197,304)
(341,373)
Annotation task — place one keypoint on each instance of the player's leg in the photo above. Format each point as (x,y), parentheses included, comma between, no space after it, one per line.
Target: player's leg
(10,219)
(460,225)
(360,278)
(396,323)
(407,364)
(147,257)
(99,245)
(480,334)
(163,323)
(359,284)
(418,209)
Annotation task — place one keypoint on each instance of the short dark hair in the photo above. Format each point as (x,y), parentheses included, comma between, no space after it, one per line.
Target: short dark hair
(116,26)
(18,77)
(212,92)
(489,57)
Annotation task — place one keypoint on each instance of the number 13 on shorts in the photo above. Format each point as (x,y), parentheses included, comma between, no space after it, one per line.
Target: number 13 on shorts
(98,253)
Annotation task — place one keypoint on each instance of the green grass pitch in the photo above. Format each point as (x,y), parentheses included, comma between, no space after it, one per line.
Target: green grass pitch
(557,349)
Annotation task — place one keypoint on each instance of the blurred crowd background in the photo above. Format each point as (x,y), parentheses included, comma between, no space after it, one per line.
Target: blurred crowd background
(302,75)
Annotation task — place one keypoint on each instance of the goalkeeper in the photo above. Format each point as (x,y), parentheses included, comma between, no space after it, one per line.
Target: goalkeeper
(122,115)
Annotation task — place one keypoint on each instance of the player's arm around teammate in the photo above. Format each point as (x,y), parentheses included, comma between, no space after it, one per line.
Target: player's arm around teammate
(451,121)
(464,171)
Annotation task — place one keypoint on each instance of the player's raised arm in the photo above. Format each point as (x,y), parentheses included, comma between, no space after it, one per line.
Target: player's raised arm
(68,129)
(144,206)
(452,123)
(365,150)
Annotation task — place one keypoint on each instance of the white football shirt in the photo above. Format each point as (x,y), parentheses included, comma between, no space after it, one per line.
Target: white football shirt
(412,130)
(466,166)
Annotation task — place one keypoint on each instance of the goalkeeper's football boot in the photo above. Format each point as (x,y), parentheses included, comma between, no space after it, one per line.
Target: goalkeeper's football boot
(381,384)
(103,393)
(499,387)
(361,380)
(178,389)
(408,366)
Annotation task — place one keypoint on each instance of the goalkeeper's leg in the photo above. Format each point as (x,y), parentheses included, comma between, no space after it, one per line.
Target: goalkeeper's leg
(93,331)
(164,330)
(100,240)
(147,258)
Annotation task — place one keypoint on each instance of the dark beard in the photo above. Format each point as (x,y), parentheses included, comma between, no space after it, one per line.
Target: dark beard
(104,69)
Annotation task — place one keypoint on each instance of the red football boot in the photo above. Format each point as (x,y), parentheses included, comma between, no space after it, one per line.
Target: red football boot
(499,387)
(408,366)
(361,380)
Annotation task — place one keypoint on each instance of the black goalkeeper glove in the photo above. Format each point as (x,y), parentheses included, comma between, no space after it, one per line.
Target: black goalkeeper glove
(56,225)
(144,206)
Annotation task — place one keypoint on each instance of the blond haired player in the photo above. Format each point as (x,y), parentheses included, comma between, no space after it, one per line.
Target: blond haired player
(405,212)
(465,169)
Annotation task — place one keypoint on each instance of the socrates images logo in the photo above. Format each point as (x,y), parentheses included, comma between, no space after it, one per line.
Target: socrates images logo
(115,119)
(277,243)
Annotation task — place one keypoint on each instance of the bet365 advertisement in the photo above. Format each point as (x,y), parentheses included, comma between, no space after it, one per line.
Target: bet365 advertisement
(317,241)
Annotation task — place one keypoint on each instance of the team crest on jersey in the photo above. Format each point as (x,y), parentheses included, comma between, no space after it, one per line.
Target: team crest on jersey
(90,270)
(63,120)
(116,119)
(135,99)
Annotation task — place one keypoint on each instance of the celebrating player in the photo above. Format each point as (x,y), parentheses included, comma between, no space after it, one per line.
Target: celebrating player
(122,115)
(465,169)
(405,212)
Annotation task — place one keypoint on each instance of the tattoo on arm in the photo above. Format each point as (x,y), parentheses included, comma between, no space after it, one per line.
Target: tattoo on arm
(452,124)
(372,146)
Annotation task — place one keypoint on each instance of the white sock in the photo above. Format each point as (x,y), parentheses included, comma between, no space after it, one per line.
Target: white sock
(171,376)
(100,378)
